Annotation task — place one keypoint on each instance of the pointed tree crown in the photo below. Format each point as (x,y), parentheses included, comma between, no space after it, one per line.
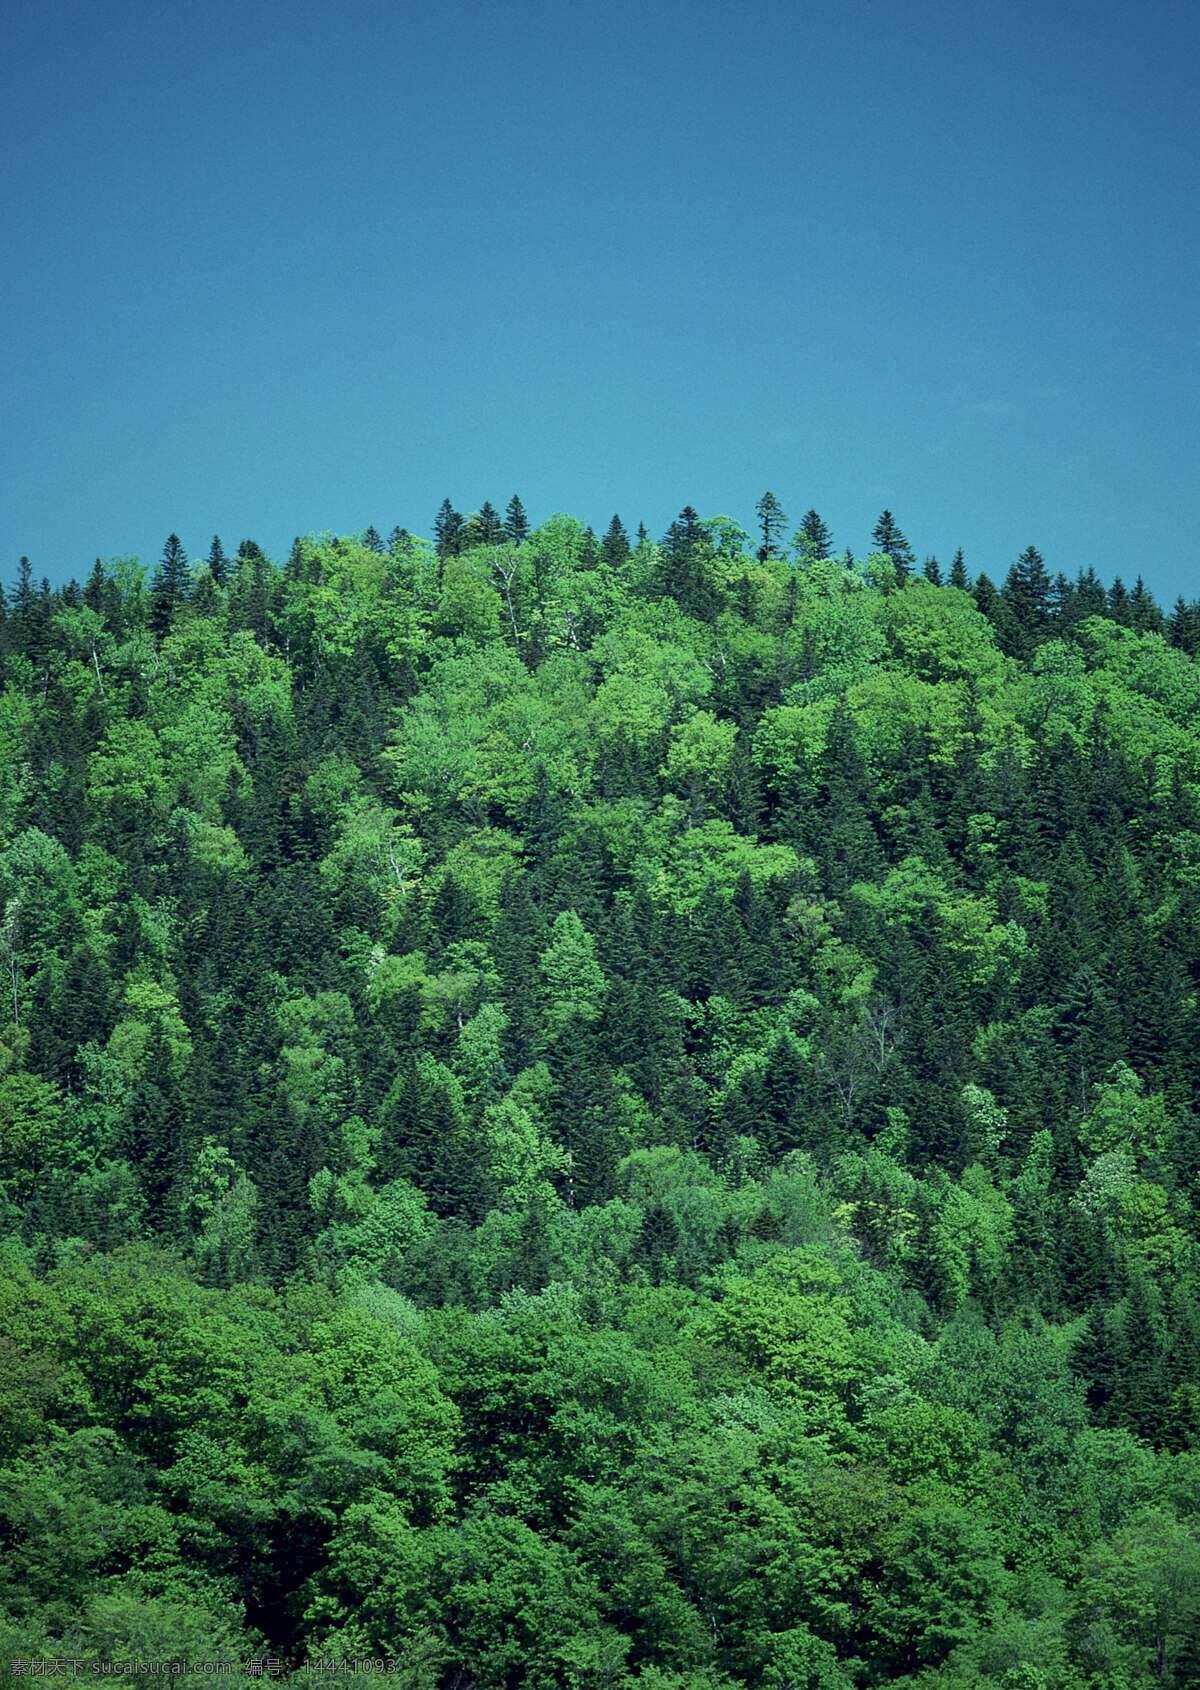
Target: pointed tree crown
(448,530)
(771,521)
(516,523)
(887,538)
(814,538)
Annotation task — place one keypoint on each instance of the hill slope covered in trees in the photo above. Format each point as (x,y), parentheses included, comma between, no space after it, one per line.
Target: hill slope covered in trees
(579,1112)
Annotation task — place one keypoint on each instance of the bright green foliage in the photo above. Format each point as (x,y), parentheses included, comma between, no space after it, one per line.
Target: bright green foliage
(1124,1118)
(38,1382)
(786,1324)
(220,1209)
(573,980)
(712,856)
(32,1133)
(586,1114)
(969,1240)
(1137,1609)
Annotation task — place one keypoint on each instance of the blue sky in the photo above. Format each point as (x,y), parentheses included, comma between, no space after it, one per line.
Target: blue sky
(271,269)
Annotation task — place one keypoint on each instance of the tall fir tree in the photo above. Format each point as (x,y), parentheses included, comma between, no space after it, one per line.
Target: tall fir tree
(1183,628)
(1147,617)
(814,539)
(491,529)
(1025,598)
(771,523)
(684,575)
(987,598)
(516,523)
(1090,596)
(887,538)
(169,591)
(218,563)
(251,593)
(24,591)
(615,548)
(1119,607)
(448,530)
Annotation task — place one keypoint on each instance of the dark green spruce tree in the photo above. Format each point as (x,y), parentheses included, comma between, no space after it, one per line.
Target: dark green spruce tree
(218,563)
(448,530)
(516,523)
(615,548)
(771,522)
(814,539)
(887,538)
(169,593)
(1025,599)
(483,527)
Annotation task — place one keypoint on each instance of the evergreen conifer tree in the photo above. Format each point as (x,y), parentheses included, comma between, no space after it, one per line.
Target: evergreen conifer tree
(1059,605)
(93,591)
(293,569)
(448,530)
(1025,603)
(1183,629)
(1147,617)
(1090,596)
(1119,607)
(1095,1360)
(958,573)
(483,528)
(24,592)
(615,547)
(516,523)
(771,521)
(252,591)
(170,589)
(814,539)
(218,563)
(491,529)
(987,598)
(684,576)
(1143,1389)
(886,537)
(683,532)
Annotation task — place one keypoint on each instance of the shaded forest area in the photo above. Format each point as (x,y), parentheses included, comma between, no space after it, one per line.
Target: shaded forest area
(582,1112)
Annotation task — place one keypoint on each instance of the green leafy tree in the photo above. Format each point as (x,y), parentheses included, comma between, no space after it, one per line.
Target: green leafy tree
(1137,1609)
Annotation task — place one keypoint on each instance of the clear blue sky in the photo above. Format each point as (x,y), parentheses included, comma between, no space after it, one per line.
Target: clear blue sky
(270,269)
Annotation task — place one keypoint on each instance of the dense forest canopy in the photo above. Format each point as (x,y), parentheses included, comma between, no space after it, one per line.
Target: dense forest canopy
(586,1112)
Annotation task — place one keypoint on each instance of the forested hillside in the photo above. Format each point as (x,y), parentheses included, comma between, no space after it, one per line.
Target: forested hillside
(578,1112)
